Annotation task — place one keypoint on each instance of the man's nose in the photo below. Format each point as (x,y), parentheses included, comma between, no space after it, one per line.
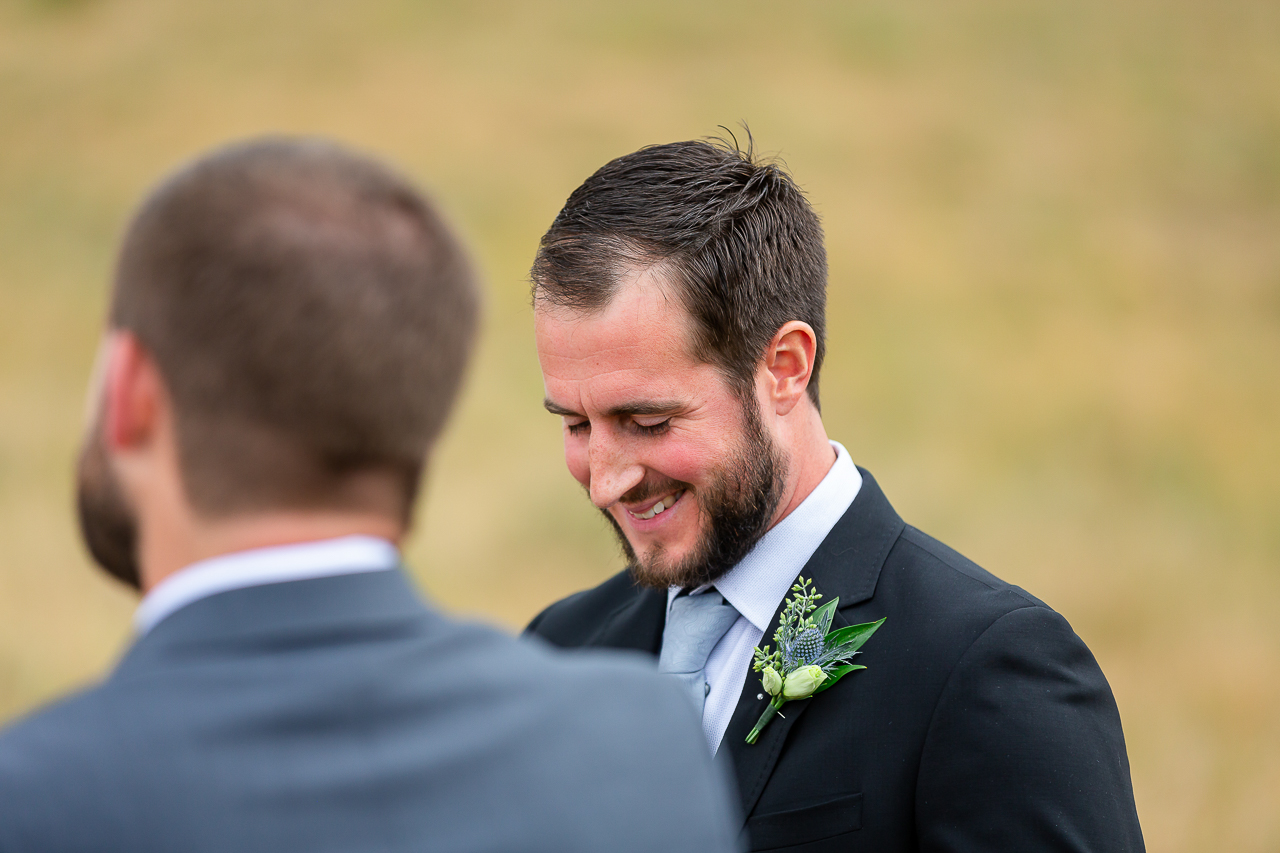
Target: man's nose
(614,472)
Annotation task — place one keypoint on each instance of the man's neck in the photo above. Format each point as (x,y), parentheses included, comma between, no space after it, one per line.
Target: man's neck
(810,457)
(172,548)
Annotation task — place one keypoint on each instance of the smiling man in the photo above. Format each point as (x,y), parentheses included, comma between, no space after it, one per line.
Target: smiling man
(686,474)
(679,305)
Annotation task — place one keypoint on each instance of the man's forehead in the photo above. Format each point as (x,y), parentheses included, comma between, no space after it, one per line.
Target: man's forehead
(633,356)
(618,382)
(626,363)
(642,315)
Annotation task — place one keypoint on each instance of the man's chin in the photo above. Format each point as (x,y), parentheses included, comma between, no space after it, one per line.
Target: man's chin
(659,569)
(657,574)
(652,568)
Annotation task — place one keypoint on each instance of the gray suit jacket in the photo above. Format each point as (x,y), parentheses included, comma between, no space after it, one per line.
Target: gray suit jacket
(342,714)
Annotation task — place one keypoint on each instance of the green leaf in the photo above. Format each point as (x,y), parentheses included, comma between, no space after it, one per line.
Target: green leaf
(853,636)
(822,616)
(835,675)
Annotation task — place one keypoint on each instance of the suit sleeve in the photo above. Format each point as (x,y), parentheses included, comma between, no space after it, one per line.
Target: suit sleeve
(1025,750)
(532,627)
(550,626)
(569,622)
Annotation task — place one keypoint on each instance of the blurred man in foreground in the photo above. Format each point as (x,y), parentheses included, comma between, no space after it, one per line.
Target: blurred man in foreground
(287,332)
(679,302)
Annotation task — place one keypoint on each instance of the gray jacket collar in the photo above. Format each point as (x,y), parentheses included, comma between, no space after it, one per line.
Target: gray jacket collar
(314,610)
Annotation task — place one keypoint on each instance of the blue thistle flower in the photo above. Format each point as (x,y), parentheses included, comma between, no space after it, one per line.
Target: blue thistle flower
(804,649)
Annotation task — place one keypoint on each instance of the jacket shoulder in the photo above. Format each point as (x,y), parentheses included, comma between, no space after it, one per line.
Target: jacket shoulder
(951,581)
(572,622)
(938,602)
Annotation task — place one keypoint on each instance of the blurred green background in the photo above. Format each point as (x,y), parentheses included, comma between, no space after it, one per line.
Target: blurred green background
(1054,231)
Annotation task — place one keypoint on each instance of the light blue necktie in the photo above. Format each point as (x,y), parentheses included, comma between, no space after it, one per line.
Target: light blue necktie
(695,624)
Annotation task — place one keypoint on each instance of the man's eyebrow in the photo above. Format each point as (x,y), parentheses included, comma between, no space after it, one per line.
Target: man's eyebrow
(642,409)
(646,407)
(555,409)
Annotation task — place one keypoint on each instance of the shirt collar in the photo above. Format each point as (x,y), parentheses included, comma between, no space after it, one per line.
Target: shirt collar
(303,561)
(758,584)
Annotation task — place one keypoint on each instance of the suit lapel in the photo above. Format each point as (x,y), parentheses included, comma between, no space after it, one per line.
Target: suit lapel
(847,564)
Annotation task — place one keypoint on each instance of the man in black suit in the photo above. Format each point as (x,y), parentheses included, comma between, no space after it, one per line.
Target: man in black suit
(679,303)
(289,326)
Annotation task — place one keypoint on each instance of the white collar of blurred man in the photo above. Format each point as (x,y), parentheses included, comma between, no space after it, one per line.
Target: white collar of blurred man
(345,555)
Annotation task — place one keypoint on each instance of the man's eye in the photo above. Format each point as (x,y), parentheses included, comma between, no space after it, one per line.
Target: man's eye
(578,428)
(653,429)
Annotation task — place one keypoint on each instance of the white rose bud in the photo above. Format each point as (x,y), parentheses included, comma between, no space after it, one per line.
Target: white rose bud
(772,681)
(801,683)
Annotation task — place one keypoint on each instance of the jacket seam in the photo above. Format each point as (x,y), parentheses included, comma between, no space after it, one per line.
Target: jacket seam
(933,715)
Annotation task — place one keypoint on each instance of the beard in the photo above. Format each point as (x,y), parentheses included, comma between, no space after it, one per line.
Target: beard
(107,524)
(738,505)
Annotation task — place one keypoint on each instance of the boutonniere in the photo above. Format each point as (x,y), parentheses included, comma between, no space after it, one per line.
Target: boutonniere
(809,659)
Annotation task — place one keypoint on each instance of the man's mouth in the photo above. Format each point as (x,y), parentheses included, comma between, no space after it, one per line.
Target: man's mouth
(658,507)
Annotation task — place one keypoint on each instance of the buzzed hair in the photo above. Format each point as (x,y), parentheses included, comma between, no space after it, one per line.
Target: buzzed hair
(311,315)
(741,244)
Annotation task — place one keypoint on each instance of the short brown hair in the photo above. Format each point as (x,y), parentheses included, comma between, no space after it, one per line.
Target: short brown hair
(743,246)
(311,316)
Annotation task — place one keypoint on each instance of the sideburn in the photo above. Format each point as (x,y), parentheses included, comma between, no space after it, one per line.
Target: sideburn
(107,525)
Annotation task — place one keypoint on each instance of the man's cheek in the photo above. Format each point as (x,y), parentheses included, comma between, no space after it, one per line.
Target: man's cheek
(685,463)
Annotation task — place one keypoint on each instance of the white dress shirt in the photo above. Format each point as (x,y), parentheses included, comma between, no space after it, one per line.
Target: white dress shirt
(758,584)
(342,556)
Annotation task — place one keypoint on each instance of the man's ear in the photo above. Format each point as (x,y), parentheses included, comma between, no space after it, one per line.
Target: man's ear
(789,361)
(133,393)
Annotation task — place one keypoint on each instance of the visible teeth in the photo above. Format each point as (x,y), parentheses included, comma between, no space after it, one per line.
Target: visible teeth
(661,506)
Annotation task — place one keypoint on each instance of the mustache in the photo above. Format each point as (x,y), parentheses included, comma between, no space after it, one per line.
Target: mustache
(654,488)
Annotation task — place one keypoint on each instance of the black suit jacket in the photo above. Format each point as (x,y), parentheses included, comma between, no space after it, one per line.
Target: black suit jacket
(982,722)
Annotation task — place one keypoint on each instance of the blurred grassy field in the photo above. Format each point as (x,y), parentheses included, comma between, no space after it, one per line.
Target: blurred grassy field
(1054,231)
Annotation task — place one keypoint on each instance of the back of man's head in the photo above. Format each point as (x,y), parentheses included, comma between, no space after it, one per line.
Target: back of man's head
(311,317)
